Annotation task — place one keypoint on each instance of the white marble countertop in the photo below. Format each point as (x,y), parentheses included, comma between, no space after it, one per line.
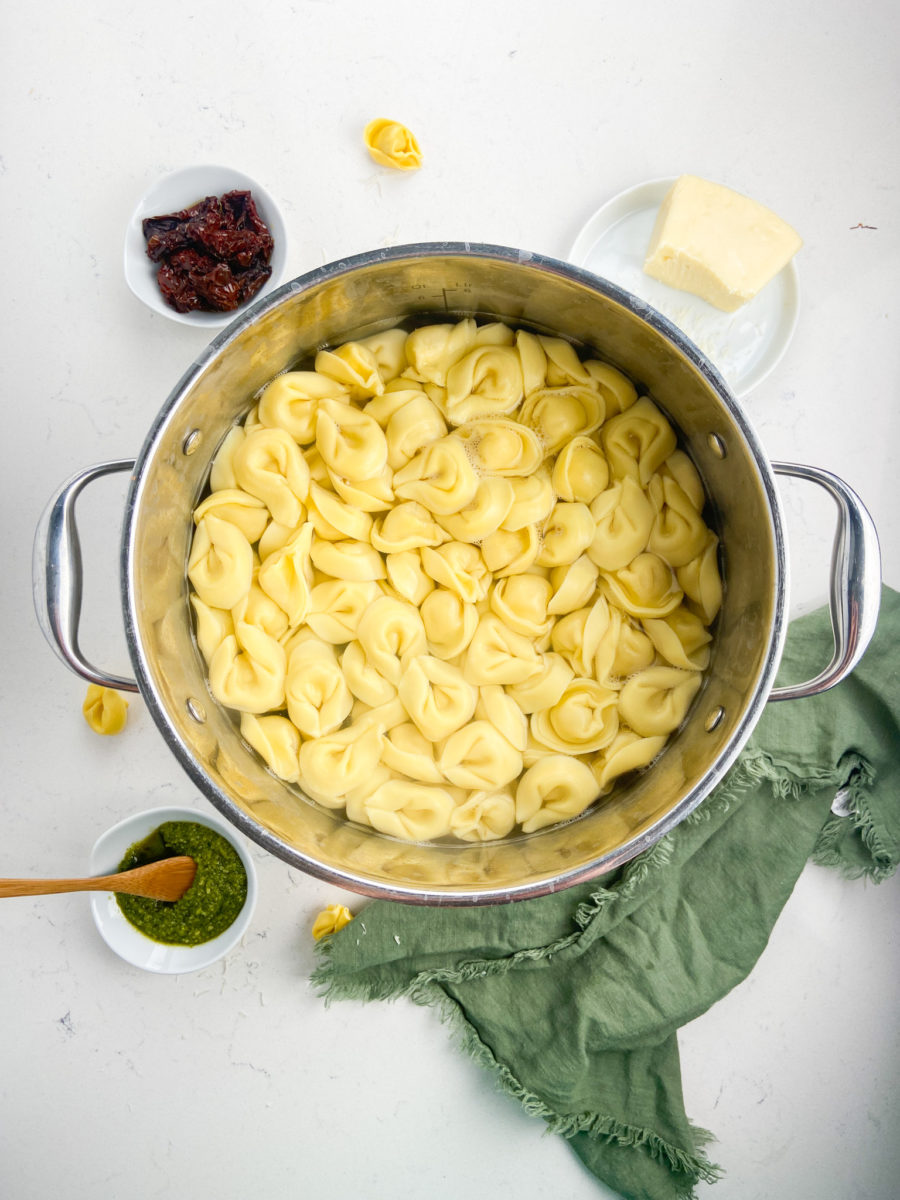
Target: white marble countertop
(239,1081)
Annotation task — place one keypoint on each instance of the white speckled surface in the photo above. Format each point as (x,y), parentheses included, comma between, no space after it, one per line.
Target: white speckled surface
(238,1081)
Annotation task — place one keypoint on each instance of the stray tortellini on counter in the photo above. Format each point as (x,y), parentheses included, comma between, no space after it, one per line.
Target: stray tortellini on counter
(104,709)
(392,145)
(331,920)
(456,582)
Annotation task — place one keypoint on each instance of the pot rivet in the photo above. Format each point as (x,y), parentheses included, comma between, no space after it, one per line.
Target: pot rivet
(714,719)
(717,445)
(192,442)
(196,711)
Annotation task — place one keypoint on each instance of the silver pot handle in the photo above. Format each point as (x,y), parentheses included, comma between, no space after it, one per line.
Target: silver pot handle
(56,575)
(855,594)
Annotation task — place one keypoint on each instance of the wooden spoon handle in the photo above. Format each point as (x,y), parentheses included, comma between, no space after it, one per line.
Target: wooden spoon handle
(138,881)
(47,887)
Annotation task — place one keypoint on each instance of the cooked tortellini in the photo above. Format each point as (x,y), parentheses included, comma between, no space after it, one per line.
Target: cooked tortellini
(483,817)
(583,719)
(333,519)
(522,603)
(351,442)
(331,920)
(211,626)
(247,671)
(316,692)
(248,513)
(656,700)
(407,577)
(450,623)
(511,552)
(286,575)
(487,382)
(533,500)
(410,810)
(484,513)
(479,757)
(456,582)
(580,471)
(553,789)
(567,532)
(104,709)
(408,526)
(269,465)
(407,751)
(628,751)
(502,447)
(410,421)
(332,765)
(459,567)
(638,441)
(336,608)
(391,632)
(437,697)
(277,740)
(220,565)
(291,402)
(561,413)
(392,145)
(354,365)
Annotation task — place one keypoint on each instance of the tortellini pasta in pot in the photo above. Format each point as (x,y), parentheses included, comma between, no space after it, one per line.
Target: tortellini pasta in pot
(437,697)
(269,464)
(555,788)
(354,365)
(456,582)
(316,692)
(410,810)
(483,817)
(248,670)
(220,565)
(277,741)
(656,700)
(291,402)
(441,477)
(487,382)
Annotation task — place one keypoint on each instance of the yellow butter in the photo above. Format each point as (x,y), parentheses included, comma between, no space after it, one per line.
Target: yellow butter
(104,709)
(717,244)
(331,919)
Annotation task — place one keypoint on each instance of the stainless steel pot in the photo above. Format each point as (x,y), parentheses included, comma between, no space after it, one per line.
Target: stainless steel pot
(360,295)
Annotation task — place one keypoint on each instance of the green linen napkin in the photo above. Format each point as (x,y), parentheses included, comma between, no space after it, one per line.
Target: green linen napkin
(574,1000)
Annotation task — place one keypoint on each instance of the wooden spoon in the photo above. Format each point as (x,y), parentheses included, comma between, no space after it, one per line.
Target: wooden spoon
(167,879)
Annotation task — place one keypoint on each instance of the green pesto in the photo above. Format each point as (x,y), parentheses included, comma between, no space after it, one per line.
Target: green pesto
(212,901)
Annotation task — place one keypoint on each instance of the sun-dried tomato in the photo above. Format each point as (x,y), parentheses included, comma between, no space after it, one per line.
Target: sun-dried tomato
(213,256)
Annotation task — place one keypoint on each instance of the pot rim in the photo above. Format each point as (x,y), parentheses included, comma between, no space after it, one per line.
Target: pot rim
(462,895)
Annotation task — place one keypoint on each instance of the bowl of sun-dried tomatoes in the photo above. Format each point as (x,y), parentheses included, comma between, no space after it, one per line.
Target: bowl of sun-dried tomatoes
(203,243)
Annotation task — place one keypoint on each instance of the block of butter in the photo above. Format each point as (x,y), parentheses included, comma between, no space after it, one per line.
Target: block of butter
(717,244)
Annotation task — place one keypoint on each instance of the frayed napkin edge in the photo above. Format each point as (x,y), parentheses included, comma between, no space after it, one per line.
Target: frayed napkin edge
(853,774)
(694,1166)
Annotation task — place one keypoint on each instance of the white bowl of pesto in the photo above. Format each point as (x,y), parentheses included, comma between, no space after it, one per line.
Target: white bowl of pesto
(142,949)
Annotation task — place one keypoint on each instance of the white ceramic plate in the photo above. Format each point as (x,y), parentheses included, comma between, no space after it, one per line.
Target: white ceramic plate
(178,191)
(744,345)
(121,936)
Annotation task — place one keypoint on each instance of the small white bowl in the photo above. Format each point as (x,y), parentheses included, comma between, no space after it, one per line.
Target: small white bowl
(178,191)
(121,936)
